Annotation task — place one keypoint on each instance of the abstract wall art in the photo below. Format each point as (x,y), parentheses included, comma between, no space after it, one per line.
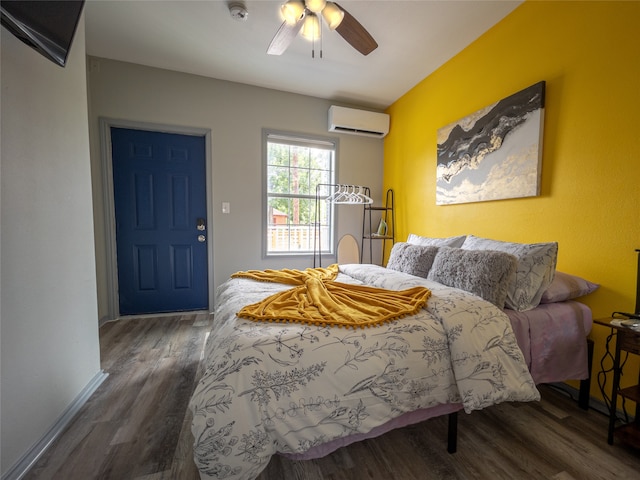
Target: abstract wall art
(494,153)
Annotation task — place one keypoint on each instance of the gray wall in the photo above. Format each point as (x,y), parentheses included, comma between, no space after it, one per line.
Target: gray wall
(49,315)
(235,114)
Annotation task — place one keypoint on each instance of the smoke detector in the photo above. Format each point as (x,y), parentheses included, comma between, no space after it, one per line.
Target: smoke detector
(238,12)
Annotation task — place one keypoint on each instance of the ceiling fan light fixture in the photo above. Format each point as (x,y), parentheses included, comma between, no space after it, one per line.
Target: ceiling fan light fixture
(311,27)
(315,6)
(332,15)
(300,20)
(292,11)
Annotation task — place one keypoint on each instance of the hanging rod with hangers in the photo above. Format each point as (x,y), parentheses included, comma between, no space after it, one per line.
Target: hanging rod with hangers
(340,194)
(344,194)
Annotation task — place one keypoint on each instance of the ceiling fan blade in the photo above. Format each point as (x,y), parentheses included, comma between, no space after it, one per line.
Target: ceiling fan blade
(284,36)
(355,34)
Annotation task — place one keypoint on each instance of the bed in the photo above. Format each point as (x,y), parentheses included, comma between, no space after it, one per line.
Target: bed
(550,326)
(303,390)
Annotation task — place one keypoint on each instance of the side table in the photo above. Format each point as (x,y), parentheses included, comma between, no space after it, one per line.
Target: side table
(627,341)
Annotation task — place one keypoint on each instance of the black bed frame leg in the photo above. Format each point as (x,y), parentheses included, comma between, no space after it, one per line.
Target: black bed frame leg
(585,385)
(452,440)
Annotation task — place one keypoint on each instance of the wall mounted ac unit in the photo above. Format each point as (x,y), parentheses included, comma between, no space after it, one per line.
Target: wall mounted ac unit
(358,122)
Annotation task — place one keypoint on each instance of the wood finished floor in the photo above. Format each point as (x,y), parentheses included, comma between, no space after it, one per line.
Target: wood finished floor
(136,426)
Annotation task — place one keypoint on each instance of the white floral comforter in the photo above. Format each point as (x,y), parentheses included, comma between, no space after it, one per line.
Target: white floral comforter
(271,388)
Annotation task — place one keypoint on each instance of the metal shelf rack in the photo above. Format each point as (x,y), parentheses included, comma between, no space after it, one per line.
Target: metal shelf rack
(387,215)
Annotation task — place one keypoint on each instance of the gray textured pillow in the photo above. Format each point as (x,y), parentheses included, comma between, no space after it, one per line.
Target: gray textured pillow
(413,259)
(485,273)
(437,242)
(535,271)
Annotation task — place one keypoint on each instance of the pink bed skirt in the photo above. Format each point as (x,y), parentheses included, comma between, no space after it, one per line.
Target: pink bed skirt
(403,420)
(553,339)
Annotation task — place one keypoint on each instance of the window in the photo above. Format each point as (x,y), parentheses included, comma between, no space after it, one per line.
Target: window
(294,167)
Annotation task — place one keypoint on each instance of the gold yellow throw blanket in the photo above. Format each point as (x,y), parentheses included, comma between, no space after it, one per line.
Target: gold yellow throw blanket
(318,300)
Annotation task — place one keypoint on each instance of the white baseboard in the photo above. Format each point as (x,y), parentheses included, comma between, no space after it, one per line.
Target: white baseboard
(23,465)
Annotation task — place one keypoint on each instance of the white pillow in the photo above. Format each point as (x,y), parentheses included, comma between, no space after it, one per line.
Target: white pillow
(454,242)
(534,273)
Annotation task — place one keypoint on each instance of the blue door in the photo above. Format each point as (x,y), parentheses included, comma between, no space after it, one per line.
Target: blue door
(160,209)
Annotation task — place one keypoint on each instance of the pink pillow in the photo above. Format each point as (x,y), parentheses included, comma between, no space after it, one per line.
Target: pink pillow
(565,287)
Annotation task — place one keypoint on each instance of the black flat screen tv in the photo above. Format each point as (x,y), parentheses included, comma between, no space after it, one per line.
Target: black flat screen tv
(46,26)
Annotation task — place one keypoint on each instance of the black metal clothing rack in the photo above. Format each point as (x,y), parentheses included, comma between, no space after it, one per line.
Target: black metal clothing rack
(388,216)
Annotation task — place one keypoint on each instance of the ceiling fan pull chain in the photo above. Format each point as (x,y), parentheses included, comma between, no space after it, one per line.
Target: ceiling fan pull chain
(313,43)
(320,21)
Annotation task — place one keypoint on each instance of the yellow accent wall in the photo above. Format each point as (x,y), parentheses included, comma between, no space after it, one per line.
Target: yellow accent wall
(589,55)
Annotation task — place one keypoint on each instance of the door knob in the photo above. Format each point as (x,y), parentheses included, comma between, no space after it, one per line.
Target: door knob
(201,238)
(200,224)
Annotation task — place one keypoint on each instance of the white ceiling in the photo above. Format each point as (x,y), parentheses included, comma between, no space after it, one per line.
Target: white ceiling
(200,37)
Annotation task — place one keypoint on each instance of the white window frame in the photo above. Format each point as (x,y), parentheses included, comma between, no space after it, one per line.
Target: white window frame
(328,240)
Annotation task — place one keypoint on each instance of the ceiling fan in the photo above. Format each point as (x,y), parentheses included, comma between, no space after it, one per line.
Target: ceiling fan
(306,17)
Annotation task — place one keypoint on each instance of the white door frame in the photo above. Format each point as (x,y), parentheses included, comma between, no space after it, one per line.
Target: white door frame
(113,304)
